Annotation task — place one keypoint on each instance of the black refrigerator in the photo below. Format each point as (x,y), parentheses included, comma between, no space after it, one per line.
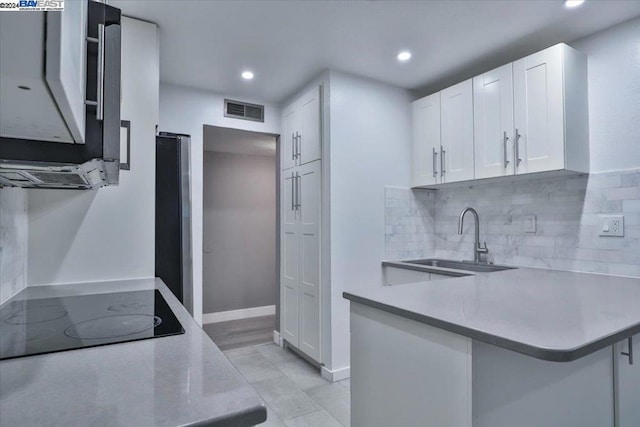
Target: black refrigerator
(174,255)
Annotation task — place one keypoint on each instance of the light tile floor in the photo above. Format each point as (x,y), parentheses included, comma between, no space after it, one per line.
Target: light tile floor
(293,390)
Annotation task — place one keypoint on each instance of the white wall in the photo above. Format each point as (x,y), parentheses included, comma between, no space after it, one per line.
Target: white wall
(370,136)
(13,242)
(186,110)
(614,96)
(108,234)
(239,238)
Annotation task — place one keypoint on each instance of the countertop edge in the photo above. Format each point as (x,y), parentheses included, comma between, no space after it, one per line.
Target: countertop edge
(250,417)
(548,354)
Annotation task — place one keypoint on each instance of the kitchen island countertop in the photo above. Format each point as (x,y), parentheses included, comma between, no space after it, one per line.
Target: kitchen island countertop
(547,314)
(168,381)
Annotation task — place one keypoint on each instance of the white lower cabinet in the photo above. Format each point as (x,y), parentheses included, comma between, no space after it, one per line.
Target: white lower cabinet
(406,373)
(627,383)
(300,258)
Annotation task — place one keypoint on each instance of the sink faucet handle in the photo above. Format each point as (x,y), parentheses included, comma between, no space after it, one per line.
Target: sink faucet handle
(483,249)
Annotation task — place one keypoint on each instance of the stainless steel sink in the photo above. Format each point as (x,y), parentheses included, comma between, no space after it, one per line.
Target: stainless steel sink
(477,267)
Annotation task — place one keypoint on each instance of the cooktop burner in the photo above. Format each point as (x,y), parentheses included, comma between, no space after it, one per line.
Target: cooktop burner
(47,325)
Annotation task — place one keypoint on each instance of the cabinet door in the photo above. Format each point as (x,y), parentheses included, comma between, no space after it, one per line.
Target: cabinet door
(66,64)
(288,138)
(289,271)
(539,111)
(456,156)
(309,189)
(426,141)
(493,123)
(309,123)
(628,381)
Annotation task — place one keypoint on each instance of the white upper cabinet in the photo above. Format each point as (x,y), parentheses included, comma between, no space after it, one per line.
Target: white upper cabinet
(301,134)
(66,63)
(524,117)
(42,69)
(310,132)
(456,133)
(288,138)
(426,141)
(493,123)
(551,111)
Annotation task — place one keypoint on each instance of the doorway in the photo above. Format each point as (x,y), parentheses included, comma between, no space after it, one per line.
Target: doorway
(240,245)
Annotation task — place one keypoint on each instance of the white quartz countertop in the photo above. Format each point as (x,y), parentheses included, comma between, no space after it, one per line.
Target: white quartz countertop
(548,314)
(167,381)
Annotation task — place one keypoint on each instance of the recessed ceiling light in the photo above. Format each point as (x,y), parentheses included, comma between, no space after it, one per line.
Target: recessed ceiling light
(405,55)
(247,75)
(573,3)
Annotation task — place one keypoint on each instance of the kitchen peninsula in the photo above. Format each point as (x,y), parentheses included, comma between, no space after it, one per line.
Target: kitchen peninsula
(525,347)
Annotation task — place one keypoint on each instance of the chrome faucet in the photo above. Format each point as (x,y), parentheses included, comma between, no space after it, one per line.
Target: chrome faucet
(477,249)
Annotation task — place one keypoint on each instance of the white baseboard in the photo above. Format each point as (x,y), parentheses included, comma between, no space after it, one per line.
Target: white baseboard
(244,313)
(337,375)
(277,339)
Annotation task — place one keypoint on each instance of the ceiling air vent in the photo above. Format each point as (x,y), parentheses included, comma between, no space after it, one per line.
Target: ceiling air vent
(243,110)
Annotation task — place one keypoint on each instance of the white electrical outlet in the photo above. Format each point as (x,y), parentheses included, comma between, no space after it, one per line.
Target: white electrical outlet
(529,223)
(612,225)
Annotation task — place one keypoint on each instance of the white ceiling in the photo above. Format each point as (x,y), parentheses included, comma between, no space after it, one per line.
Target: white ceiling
(206,44)
(227,140)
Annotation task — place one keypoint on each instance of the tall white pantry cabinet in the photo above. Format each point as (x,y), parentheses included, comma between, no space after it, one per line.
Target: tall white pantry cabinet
(300,182)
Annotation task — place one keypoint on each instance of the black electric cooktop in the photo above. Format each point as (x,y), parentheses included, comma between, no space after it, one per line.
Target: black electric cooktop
(47,325)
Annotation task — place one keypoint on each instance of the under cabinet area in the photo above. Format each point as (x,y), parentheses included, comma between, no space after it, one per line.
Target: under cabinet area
(524,117)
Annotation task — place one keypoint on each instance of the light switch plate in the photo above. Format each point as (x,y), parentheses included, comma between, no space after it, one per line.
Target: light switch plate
(612,225)
(529,223)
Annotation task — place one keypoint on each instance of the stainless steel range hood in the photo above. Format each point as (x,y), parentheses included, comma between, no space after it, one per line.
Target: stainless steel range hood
(87,176)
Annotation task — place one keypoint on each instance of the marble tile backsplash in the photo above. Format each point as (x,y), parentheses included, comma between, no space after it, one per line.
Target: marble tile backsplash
(567,211)
(409,223)
(13,242)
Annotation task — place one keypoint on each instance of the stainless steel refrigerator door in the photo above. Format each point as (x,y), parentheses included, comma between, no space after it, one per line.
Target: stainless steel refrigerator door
(187,247)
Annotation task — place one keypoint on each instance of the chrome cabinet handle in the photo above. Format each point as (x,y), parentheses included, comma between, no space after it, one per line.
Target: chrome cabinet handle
(435,162)
(293,146)
(505,138)
(442,152)
(298,193)
(298,144)
(516,138)
(629,354)
(293,206)
(99,103)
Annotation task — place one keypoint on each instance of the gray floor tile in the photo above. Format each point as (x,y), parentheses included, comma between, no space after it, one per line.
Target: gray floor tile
(346,383)
(241,333)
(254,367)
(335,398)
(285,397)
(272,419)
(302,373)
(314,419)
(275,353)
